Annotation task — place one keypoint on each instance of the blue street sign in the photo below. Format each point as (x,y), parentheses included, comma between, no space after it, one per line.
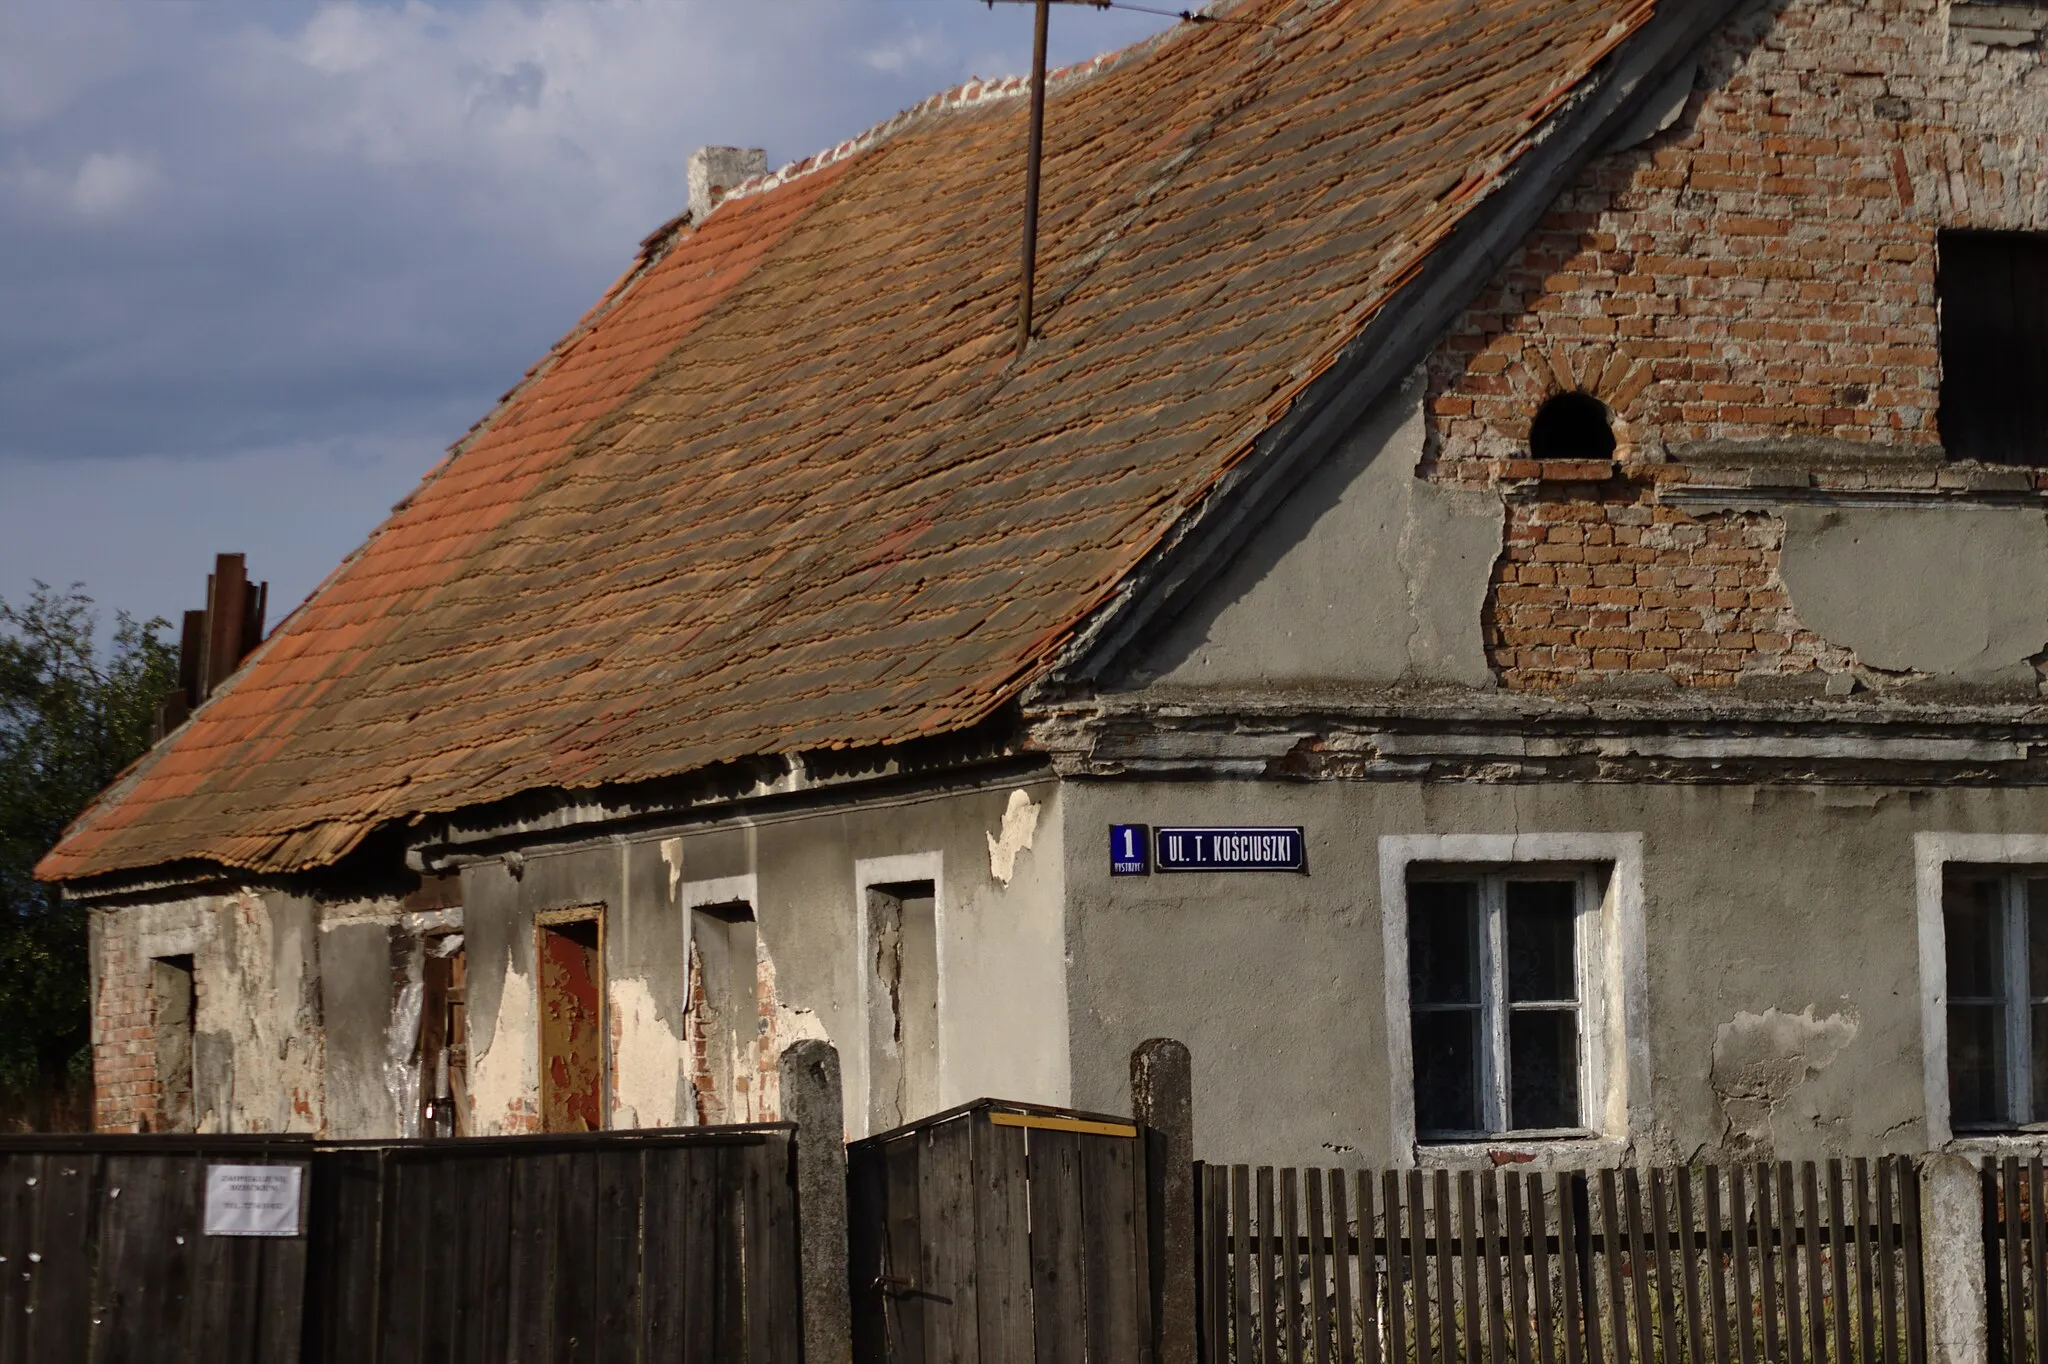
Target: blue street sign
(1232,850)
(1130,850)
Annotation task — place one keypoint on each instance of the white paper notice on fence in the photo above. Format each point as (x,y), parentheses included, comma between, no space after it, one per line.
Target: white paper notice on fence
(252,1200)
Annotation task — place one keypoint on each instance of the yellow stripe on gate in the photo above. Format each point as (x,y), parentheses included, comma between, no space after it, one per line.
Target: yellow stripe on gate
(1095,1129)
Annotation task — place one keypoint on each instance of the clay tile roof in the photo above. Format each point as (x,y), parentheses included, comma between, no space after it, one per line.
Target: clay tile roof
(784,490)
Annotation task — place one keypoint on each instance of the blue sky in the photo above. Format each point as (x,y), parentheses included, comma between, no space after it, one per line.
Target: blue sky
(261,261)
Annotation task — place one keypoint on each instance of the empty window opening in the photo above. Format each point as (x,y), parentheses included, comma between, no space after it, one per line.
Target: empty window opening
(444,1038)
(903,1004)
(571,1026)
(173,1003)
(1996,924)
(1572,426)
(1994,346)
(1496,999)
(725,947)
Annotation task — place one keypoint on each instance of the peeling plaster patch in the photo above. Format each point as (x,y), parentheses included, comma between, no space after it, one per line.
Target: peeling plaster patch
(1974,606)
(503,1078)
(401,1048)
(797,1025)
(648,1060)
(672,858)
(1020,827)
(1759,1059)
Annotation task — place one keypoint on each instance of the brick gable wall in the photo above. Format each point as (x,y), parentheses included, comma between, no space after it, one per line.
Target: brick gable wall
(1751,290)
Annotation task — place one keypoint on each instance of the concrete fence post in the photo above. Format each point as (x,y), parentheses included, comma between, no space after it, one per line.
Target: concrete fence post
(1952,1250)
(1162,1099)
(813,1100)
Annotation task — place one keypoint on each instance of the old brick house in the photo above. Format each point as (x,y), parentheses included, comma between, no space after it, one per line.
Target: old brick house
(1577,461)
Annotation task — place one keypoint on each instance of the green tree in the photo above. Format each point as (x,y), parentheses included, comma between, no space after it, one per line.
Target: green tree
(71,718)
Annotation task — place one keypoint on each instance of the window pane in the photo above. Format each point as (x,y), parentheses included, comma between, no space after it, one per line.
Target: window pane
(1541,917)
(1976,1064)
(1443,942)
(2037,938)
(1543,1075)
(1976,948)
(1447,1071)
(2040,1081)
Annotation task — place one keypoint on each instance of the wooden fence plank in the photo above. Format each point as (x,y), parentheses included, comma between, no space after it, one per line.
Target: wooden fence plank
(1468,1263)
(1057,1291)
(1368,1270)
(1689,1267)
(1243,1251)
(575,1300)
(1788,1257)
(1767,1262)
(1340,1266)
(1569,1266)
(1321,1329)
(1113,1234)
(1518,1269)
(1496,1318)
(946,1233)
(1446,1270)
(1866,1265)
(1668,1335)
(62,1331)
(1289,1276)
(1638,1263)
(485,1319)
(1265,1266)
(1539,1240)
(902,1260)
(1887,1270)
(1610,1254)
(1816,1282)
(1417,1256)
(1717,1277)
(1398,1268)
(614,1263)
(1916,1263)
(530,1262)
(664,1186)
(144,1270)
(2037,1281)
(713,1326)
(1002,1220)
(1738,1226)
(1845,1347)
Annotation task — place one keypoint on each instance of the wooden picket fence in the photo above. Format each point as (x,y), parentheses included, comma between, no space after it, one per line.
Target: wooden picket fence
(2015,1260)
(1749,1264)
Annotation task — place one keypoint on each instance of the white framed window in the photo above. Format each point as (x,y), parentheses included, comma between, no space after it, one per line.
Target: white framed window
(1498,997)
(1983,928)
(1516,1003)
(1995,935)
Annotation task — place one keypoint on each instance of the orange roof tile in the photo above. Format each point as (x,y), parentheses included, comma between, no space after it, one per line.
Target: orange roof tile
(784,489)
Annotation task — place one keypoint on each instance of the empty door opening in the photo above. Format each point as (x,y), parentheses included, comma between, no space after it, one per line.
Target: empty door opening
(903,1004)
(173,1002)
(726,950)
(571,1025)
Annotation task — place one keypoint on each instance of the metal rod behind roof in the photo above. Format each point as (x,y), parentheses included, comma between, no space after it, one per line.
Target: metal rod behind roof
(1031,168)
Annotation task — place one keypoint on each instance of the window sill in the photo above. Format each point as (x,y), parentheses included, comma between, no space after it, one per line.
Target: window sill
(1528,1154)
(2023,1142)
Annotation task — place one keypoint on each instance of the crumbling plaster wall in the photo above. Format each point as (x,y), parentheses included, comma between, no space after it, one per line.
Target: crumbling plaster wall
(1752,293)
(258,1047)
(1002,963)
(1364,574)
(1784,1009)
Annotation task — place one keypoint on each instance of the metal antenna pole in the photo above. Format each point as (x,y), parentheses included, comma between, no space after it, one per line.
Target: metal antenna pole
(1031,173)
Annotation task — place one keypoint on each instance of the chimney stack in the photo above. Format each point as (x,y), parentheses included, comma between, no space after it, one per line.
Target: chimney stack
(215,641)
(716,171)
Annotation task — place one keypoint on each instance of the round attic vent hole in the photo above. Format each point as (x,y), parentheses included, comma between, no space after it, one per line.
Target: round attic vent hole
(1571,426)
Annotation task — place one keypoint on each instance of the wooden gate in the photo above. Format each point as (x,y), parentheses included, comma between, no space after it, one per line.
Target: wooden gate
(1772,1263)
(999,1233)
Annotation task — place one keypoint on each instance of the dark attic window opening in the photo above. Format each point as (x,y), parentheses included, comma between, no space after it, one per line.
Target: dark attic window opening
(1571,426)
(1993,288)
